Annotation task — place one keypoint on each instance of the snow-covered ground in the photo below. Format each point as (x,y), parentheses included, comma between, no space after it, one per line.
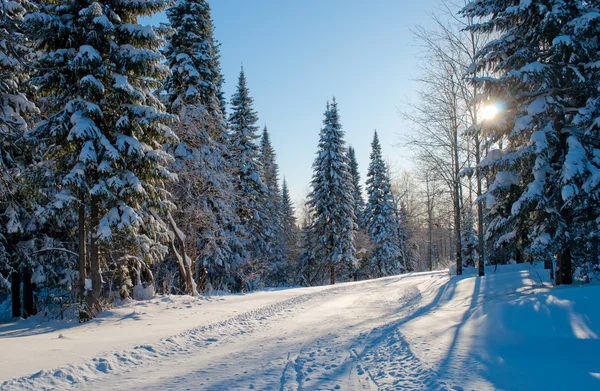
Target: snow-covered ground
(423,331)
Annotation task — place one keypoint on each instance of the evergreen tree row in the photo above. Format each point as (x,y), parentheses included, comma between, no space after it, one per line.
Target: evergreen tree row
(338,217)
(122,175)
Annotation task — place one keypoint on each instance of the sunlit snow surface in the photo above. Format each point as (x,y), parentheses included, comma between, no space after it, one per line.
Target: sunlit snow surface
(425,331)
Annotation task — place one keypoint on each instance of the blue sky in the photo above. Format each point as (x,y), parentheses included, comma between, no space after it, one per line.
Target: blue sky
(297,54)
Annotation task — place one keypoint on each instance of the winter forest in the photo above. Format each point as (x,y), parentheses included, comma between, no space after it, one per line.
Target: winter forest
(127,174)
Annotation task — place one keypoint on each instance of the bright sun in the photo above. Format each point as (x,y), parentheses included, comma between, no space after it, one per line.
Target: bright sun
(489,112)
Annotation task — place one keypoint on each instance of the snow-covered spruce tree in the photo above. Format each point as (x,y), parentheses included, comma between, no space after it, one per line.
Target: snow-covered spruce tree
(15,156)
(273,206)
(250,190)
(204,194)
(24,254)
(331,202)
(193,55)
(221,96)
(15,107)
(270,169)
(380,218)
(359,202)
(545,193)
(362,242)
(290,231)
(107,129)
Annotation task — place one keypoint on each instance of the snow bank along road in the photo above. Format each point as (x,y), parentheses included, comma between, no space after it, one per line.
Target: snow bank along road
(424,331)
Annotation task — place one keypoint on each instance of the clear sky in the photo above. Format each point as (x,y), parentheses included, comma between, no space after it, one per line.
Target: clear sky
(297,54)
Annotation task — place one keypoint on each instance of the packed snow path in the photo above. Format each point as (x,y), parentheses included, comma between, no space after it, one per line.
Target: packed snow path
(422,331)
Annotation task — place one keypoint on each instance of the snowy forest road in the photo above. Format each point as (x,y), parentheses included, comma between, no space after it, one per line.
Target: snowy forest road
(424,331)
(335,339)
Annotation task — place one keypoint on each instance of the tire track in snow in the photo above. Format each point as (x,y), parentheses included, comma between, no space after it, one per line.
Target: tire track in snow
(391,365)
(75,375)
(318,366)
(333,361)
(386,360)
(290,377)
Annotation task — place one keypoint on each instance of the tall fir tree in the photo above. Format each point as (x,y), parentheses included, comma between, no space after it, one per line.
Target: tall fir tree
(331,201)
(290,231)
(380,217)
(250,190)
(544,196)
(359,202)
(362,242)
(270,170)
(273,205)
(15,106)
(308,269)
(17,199)
(204,193)
(106,128)
(287,209)
(194,59)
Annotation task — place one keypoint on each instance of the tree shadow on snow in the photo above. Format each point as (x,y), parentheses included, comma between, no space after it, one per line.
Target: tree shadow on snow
(545,341)
(447,361)
(33,326)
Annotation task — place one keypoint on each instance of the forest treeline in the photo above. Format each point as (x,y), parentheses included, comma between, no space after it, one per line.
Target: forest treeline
(126,172)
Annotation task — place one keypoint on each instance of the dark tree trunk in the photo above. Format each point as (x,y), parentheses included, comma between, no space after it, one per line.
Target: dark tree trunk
(518,256)
(16,294)
(564,274)
(82,249)
(457,232)
(332,273)
(28,302)
(95,273)
(430,251)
